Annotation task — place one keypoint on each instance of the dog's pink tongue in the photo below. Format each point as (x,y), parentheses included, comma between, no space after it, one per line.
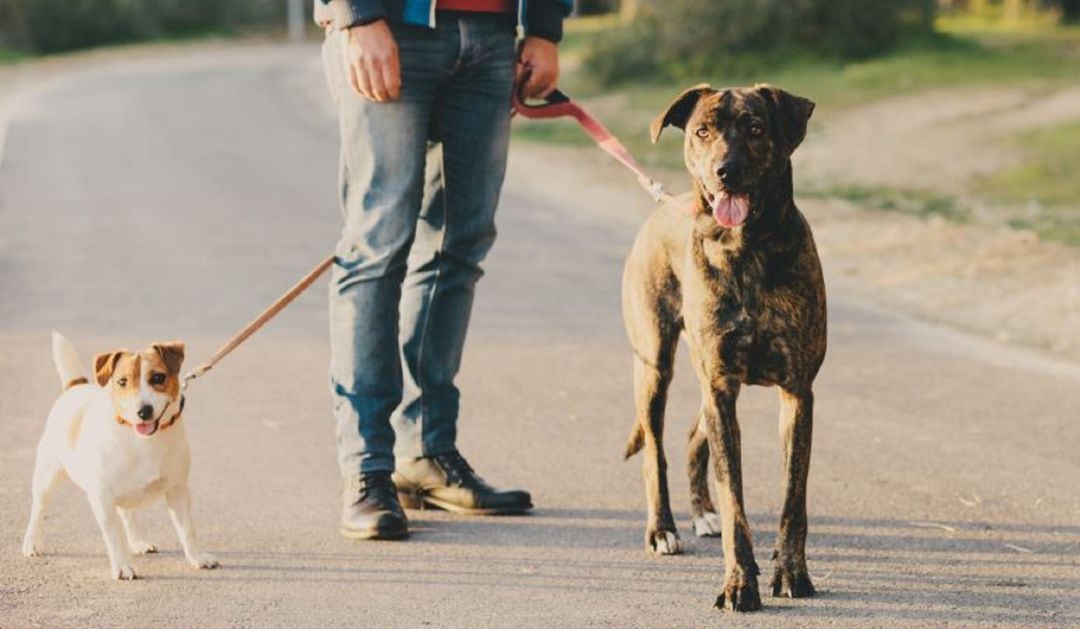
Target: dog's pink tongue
(146,428)
(731,210)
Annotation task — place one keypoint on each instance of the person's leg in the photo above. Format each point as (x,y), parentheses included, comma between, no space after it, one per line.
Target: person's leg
(455,232)
(382,162)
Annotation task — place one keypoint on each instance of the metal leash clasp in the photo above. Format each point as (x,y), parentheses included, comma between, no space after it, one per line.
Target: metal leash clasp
(654,188)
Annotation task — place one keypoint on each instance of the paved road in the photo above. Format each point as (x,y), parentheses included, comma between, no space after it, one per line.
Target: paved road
(171,198)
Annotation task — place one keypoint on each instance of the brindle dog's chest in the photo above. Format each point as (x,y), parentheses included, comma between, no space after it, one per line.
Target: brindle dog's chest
(743,324)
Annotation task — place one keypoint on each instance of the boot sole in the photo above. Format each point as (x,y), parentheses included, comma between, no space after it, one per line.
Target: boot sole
(373,534)
(420,502)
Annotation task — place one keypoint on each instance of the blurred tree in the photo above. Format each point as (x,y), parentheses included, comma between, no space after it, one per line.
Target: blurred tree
(1070,10)
(595,7)
(688,37)
(54,25)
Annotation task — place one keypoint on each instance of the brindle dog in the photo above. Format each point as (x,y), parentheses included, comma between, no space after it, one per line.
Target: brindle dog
(738,275)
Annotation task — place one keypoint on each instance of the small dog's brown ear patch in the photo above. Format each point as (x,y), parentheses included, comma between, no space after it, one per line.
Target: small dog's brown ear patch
(104,364)
(678,112)
(790,112)
(172,353)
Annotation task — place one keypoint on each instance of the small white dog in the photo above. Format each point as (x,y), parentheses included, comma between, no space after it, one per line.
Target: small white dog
(122,443)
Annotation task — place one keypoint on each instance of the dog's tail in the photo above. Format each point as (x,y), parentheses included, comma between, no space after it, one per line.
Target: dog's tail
(67,361)
(635,442)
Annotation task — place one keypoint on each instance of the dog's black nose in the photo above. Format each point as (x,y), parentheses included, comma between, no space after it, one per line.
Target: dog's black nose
(146,412)
(727,172)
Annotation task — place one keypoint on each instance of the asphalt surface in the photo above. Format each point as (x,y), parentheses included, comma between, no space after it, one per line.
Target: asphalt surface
(173,198)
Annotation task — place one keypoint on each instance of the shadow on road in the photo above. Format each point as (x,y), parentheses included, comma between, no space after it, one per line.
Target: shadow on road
(864,568)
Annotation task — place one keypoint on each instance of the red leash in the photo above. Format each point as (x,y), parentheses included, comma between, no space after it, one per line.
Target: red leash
(557,105)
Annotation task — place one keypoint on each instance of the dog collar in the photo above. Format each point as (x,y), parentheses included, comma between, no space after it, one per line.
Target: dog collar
(176,417)
(172,420)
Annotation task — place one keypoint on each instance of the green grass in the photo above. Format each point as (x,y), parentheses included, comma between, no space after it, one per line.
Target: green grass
(1050,174)
(564,132)
(921,203)
(10,55)
(1064,227)
(1046,185)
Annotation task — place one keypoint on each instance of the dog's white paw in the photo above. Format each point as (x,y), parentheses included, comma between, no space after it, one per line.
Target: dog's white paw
(665,543)
(204,561)
(124,573)
(142,547)
(707,525)
(30,548)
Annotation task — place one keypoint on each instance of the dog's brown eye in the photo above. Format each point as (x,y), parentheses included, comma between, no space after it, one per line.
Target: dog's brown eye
(157,378)
(122,382)
(702,132)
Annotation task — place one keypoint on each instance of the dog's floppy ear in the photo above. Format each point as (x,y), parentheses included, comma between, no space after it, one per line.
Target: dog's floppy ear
(104,365)
(790,114)
(678,112)
(172,353)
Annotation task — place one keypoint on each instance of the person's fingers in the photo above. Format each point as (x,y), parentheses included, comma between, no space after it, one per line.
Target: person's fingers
(373,72)
(532,82)
(548,84)
(391,76)
(363,82)
(540,83)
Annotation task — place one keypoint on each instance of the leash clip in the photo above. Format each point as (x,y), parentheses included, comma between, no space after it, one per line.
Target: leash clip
(654,188)
(191,375)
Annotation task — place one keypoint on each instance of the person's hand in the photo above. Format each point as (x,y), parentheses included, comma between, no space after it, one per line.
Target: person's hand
(538,63)
(371,61)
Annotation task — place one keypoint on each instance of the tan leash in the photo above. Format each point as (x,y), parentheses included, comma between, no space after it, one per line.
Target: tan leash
(258,322)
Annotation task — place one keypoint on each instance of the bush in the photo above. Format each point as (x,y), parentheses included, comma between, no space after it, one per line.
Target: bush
(689,37)
(1070,10)
(57,25)
(595,7)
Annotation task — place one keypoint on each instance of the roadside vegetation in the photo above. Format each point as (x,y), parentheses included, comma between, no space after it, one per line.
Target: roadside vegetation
(29,27)
(1046,186)
(956,49)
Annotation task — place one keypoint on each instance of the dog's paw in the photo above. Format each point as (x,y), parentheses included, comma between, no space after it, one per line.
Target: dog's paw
(663,543)
(142,548)
(124,573)
(739,595)
(791,582)
(31,546)
(707,525)
(204,561)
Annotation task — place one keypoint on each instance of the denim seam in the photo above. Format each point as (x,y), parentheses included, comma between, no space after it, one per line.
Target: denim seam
(425,326)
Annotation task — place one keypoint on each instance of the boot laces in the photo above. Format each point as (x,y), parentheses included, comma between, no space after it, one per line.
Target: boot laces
(361,484)
(458,471)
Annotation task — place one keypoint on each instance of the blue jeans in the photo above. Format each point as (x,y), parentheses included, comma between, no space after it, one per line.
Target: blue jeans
(420,180)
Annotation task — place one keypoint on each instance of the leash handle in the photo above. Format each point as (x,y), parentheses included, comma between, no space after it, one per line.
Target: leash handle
(544,110)
(258,322)
(557,105)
